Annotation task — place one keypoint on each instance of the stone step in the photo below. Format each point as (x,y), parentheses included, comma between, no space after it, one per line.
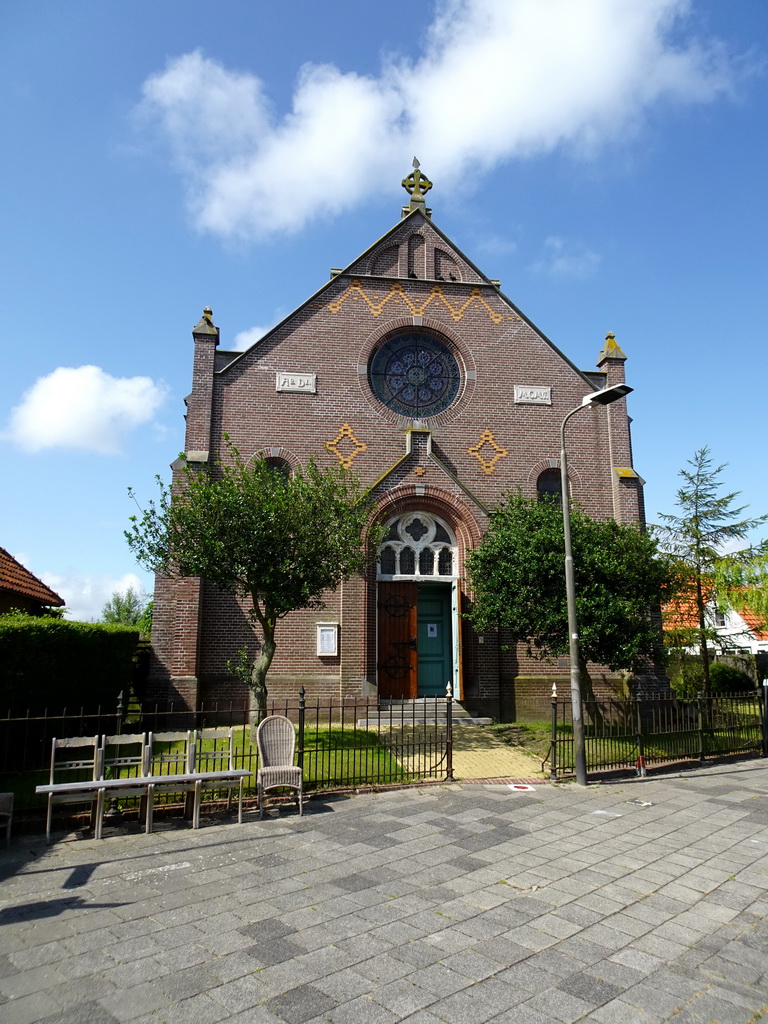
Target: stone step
(421,711)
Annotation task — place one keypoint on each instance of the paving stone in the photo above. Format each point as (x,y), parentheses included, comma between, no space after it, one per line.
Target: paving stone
(439,979)
(524,1013)
(402,997)
(197,1009)
(85,1013)
(7,967)
(276,951)
(657,946)
(125,1004)
(619,1011)
(462,1008)
(24,983)
(241,993)
(527,975)
(581,949)
(189,982)
(267,930)
(502,950)
(29,1009)
(297,1005)
(589,988)
(125,975)
(345,985)
(560,1005)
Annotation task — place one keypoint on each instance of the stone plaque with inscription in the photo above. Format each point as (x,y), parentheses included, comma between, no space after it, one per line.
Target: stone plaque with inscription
(529,394)
(304,382)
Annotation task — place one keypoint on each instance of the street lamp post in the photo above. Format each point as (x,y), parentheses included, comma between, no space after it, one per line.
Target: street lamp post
(604,397)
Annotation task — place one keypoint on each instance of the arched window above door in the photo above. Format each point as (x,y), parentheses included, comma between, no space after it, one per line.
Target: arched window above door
(417,545)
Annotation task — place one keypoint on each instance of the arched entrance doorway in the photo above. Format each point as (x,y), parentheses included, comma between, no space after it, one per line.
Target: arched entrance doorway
(418,642)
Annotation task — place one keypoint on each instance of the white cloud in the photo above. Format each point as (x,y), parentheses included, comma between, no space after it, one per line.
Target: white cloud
(86,595)
(83,407)
(244,339)
(496,81)
(495,245)
(567,259)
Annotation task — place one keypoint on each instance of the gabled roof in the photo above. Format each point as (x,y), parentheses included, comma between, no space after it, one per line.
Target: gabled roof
(755,623)
(681,613)
(590,378)
(18,580)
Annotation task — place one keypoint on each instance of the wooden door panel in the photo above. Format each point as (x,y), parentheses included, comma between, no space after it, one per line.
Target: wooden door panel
(397,660)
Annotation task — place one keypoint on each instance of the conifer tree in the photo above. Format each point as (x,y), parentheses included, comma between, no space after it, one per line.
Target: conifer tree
(708,523)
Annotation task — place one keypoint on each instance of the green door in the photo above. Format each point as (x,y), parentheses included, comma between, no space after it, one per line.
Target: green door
(435,641)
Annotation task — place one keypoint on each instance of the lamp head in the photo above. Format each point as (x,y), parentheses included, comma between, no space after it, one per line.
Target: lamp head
(607,395)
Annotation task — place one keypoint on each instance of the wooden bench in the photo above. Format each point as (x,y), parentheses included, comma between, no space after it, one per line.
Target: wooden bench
(150,778)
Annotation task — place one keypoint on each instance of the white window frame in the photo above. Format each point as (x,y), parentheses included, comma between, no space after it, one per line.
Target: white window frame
(428,541)
(327,632)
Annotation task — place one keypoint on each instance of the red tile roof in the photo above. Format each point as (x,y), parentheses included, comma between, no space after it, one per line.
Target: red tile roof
(755,623)
(681,613)
(18,580)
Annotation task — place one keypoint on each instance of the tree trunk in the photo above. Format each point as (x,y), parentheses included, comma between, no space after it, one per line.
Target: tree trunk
(588,694)
(267,622)
(259,674)
(700,605)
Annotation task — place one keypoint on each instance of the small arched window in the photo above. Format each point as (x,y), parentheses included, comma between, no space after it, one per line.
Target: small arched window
(549,486)
(279,466)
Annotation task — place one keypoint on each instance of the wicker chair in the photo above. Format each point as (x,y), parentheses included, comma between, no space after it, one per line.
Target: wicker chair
(276,740)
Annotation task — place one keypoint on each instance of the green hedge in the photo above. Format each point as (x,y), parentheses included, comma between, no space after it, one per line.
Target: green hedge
(48,663)
(729,679)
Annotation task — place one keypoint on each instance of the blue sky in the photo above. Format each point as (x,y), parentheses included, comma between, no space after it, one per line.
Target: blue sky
(605,159)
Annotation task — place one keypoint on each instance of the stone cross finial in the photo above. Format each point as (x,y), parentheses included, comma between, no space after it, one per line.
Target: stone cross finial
(416,184)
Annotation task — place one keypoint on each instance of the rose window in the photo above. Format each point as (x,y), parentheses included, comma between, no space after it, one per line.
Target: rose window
(415,375)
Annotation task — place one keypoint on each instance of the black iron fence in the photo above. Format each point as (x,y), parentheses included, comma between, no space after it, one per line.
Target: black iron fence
(644,731)
(339,744)
(358,743)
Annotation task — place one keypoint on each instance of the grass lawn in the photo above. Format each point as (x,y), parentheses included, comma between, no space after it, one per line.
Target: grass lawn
(533,737)
(331,757)
(740,734)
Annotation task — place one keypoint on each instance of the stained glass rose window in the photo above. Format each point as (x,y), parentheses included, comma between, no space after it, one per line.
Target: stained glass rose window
(415,375)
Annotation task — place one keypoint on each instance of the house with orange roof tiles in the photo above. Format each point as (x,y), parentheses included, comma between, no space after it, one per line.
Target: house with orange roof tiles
(21,589)
(739,631)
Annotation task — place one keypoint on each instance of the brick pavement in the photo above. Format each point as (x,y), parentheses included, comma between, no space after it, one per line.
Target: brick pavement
(641,901)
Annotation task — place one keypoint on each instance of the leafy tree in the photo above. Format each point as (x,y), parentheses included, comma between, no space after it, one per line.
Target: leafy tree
(145,619)
(518,581)
(277,541)
(125,609)
(697,537)
(745,582)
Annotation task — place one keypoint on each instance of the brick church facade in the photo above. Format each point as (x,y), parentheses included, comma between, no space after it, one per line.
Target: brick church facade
(412,368)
